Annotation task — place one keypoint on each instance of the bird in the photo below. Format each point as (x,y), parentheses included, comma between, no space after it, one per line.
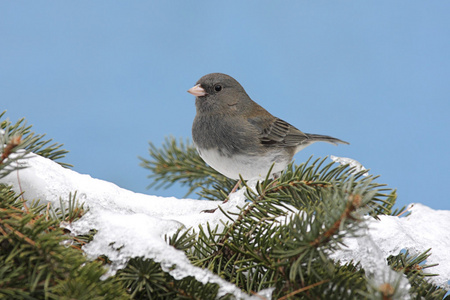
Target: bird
(239,138)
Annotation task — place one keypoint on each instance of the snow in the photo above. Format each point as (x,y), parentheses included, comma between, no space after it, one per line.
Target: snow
(351,162)
(137,223)
(424,228)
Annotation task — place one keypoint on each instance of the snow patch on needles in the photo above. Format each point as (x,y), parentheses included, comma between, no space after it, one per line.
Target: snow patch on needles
(423,229)
(351,162)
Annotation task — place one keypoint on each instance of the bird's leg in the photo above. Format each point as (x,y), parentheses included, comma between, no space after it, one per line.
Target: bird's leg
(236,186)
(226,199)
(232,191)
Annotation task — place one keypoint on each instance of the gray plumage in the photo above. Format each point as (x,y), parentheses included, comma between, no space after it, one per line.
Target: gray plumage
(235,135)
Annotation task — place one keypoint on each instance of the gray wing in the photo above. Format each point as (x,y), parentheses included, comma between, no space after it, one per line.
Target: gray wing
(279,133)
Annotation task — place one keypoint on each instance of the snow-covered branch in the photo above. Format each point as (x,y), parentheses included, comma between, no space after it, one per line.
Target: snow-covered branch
(137,223)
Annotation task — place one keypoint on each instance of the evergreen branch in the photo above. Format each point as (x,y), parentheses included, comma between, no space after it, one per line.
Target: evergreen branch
(18,139)
(242,242)
(182,239)
(14,142)
(145,279)
(179,162)
(353,204)
(17,233)
(282,236)
(68,213)
(412,266)
(35,264)
(402,211)
(303,289)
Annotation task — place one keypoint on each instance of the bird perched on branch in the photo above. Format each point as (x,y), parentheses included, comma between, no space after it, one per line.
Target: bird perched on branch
(236,136)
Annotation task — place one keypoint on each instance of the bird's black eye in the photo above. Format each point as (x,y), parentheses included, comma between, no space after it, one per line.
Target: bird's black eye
(217,87)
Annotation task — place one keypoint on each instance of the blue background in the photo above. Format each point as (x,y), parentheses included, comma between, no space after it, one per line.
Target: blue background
(106,77)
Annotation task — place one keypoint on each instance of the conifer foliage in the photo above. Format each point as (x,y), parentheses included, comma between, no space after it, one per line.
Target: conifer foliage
(283,237)
(38,260)
(280,241)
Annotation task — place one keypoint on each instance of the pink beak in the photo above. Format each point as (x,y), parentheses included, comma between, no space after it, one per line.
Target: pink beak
(197,91)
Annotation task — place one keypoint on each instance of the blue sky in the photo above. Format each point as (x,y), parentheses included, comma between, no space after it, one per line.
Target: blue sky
(106,77)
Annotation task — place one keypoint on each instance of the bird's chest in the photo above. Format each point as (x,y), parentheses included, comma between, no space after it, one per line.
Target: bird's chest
(228,135)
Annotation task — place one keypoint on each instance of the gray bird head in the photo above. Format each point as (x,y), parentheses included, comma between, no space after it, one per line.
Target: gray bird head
(219,93)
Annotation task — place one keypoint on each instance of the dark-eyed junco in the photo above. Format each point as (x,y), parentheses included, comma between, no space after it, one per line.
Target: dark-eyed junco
(234,135)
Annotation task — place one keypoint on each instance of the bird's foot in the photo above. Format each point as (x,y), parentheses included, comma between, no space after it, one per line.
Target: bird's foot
(210,211)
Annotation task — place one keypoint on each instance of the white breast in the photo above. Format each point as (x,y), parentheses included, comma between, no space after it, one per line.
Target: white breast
(248,166)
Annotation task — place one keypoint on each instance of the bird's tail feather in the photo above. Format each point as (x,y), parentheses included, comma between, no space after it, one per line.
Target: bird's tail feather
(325,138)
